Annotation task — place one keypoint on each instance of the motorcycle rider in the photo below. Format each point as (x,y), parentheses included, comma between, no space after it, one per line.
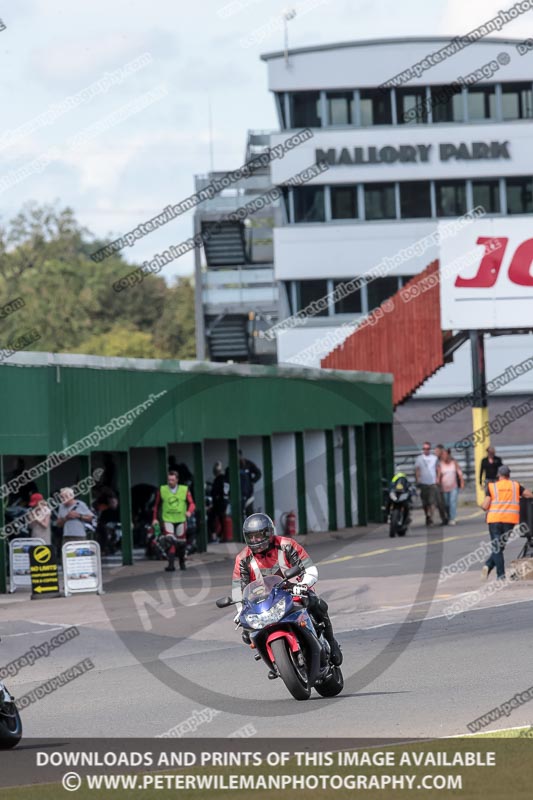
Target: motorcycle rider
(266,553)
(401,483)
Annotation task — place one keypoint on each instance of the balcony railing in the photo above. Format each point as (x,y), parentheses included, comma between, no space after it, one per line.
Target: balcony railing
(239,286)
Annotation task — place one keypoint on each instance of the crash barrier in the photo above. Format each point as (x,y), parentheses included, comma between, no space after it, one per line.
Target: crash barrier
(19,562)
(82,567)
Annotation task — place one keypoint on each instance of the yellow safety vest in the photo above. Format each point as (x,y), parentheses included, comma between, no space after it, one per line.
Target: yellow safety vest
(174,504)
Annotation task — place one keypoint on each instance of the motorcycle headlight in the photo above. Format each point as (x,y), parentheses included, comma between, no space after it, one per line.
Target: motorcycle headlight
(393,496)
(404,496)
(265,618)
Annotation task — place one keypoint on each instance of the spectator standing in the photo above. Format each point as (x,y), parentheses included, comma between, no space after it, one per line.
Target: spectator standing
(250,474)
(441,505)
(427,476)
(489,467)
(219,496)
(177,506)
(72,515)
(451,481)
(39,518)
(502,504)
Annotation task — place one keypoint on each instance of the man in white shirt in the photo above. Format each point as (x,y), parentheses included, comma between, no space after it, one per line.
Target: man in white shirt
(427,473)
(71,516)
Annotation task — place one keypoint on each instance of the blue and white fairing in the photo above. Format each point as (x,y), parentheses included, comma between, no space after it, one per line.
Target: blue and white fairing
(265,603)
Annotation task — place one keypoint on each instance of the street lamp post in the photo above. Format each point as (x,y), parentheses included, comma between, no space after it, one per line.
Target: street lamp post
(287,16)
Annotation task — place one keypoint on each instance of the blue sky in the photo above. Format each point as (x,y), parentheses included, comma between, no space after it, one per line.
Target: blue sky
(52,49)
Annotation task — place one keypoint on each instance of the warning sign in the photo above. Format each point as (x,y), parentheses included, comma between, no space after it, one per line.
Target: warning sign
(44,573)
(19,562)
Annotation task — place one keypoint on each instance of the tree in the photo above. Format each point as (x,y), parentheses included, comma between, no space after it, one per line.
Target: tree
(174,330)
(69,299)
(122,340)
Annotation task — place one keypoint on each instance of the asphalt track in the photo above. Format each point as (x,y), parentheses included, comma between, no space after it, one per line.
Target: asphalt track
(162,650)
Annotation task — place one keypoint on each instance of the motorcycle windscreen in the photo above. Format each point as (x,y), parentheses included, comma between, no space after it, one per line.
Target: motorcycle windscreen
(259,590)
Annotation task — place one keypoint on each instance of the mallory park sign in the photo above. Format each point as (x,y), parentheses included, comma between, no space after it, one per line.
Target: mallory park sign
(417,153)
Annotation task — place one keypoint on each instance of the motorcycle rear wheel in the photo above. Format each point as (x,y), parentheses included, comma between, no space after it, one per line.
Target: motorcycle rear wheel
(333,685)
(290,676)
(10,727)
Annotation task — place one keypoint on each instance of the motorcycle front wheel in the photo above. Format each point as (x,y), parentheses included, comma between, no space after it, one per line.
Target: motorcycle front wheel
(294,677)
(10,726)
(394,528)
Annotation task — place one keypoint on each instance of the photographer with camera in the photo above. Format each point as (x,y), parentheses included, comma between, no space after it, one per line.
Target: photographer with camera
(502,504)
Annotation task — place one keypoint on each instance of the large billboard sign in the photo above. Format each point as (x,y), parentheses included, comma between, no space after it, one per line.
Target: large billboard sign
(486,275)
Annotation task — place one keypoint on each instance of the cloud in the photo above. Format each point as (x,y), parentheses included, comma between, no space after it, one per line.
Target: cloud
(197,74)
(67,61)
(459,17)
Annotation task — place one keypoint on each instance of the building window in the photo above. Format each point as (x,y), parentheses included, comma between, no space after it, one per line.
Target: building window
(487,194)
(308,291)
(415,199)
(375,107)
(517,101)
(519,195)
(309,204)
(451,198)
(403,279)
(380,201)
(344,202)
(350,303)
(411,105)
(305,110)
(481,103)
(280,96)
(381,289)
(285,204)
(447,104)
(340,108)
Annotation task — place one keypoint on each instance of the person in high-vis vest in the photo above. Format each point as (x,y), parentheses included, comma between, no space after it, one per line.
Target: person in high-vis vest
(502,504)
(177,506)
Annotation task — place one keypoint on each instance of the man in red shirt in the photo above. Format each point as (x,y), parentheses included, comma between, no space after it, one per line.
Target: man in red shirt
(266,553)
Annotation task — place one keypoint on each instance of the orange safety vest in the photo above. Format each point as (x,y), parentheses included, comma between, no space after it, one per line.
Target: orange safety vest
(504,502)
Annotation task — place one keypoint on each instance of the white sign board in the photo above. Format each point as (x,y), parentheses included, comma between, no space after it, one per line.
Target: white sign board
(486,275)
(19,562)
(82,567)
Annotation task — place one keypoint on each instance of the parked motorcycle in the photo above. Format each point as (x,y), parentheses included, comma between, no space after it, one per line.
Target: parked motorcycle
(142,503)
(17,513)
(286,638)
(10,723)
(112,537)
(153,547)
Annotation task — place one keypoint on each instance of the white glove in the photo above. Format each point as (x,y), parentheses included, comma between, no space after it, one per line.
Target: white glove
(300,590)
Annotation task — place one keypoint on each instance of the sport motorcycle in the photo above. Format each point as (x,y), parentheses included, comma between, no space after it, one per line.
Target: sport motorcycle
(290,643)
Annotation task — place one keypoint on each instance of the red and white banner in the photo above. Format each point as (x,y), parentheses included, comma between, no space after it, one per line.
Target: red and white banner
(486,275)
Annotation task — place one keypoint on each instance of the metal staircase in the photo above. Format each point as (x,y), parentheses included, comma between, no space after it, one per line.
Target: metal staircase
(224,244)
(228,338)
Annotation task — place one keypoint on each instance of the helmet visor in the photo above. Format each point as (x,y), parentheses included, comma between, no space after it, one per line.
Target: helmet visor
(256,537)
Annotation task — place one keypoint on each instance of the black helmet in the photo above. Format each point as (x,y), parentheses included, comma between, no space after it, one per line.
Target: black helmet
(258,531)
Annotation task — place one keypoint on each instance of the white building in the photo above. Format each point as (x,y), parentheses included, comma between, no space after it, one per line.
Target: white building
(400,160)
